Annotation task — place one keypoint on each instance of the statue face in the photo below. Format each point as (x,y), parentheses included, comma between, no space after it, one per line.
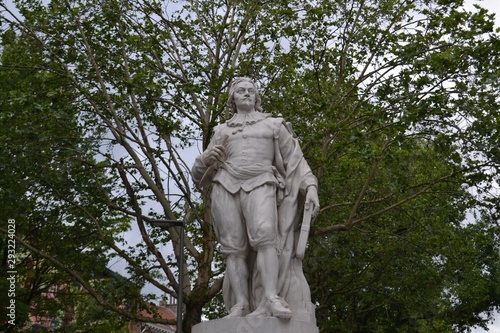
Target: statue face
(244,96)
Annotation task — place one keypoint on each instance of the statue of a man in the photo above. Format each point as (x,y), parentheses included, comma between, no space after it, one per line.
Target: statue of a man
(261,182)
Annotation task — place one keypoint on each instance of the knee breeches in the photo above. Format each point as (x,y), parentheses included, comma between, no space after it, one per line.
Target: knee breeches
(245,219)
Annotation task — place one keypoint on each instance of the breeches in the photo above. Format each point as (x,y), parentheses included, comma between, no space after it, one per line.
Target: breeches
(245,219)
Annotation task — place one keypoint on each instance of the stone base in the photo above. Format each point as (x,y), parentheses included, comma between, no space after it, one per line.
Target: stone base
(255,325)
(303,311)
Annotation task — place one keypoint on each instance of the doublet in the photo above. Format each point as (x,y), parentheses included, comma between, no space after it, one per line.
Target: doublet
(250,157)
(251,152)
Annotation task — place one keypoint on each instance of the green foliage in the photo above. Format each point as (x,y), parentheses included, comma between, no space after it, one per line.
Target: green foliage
(46,188)
(402,271)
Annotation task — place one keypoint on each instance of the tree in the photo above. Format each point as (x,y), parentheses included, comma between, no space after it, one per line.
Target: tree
(394,103)
(42,149)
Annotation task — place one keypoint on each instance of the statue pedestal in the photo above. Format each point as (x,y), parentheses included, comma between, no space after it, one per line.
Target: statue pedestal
(255,325)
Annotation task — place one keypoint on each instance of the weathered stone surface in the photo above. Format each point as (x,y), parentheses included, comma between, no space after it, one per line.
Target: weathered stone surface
(254,325)
(260,185)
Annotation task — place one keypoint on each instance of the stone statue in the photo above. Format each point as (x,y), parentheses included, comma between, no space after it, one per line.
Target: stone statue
(261,183)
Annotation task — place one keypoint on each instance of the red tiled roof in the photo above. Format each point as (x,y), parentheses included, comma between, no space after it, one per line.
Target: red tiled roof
(164,312)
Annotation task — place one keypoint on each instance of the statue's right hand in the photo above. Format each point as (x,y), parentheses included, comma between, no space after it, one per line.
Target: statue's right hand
(216,153)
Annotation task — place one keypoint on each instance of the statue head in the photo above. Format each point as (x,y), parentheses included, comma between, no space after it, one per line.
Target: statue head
(230,101)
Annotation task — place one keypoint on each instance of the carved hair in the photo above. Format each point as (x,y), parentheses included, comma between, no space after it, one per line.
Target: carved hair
(230,101)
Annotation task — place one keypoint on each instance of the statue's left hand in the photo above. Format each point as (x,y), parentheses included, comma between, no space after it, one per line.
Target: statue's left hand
(312,200)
